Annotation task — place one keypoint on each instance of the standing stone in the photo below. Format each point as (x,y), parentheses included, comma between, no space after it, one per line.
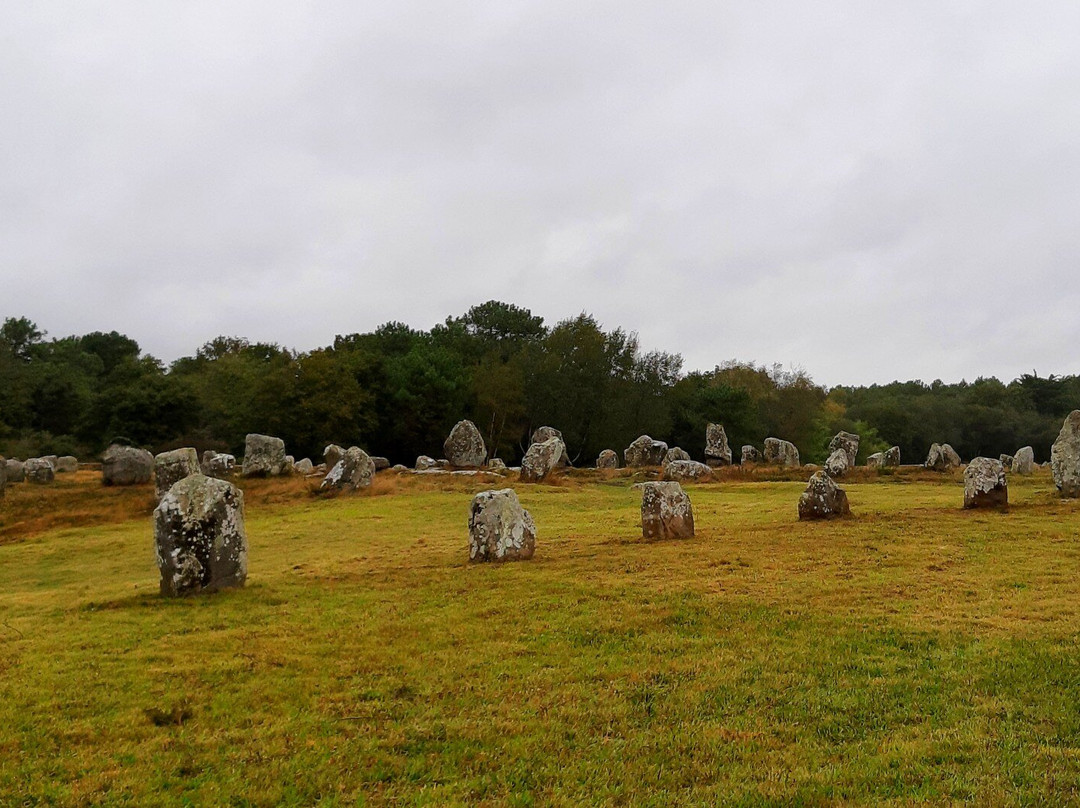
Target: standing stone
(39,471)
(171,467)
(497,465)
(942,457)
(608,459)
(499,528)
(425,463)
(645,451)
(354,470)
(1006,461)
(67,464)
(666,512)
(1023,461)
(781,453)
(823,499)
(892,457)
(332,454)
(126,465)
(675,453)
(1065,456)
(220,465)
(541,460)
(304,466)
(838,462)
(465,447)
(849,442)
(985,485)
(687,470)
(199,536)
(546,433)
(717,451)
(875,461)
(750,454)
(264,456)
(16,471)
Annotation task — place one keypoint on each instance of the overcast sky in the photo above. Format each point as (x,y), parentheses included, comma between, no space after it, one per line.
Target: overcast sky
(866,190)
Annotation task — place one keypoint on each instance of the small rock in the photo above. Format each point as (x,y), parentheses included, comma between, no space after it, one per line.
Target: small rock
(892,457)
(750,454)
(126,465)
(67,464)
(1006,461)
(942,457)
(541,460)
(381,463)
(16,470)
(984,484)
(332,454)
(645,451)
(823,499)
(497,465)
(354,470)
(51,460)
(838,463)
(687,470)
(171,467)
(849,442)
(875,461)
(675,453)
(264,456)
(717,451)
(608,459)
(219,465)
(546,433)
(1024,461)
(465,447)
(781,453)
(39,471)
(499,528)
(425,463)
(304,466)
(666,512)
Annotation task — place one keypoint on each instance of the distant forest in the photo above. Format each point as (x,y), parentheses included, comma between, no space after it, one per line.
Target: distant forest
(397,392)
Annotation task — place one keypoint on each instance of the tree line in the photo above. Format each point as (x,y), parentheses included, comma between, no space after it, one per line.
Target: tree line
(397,391)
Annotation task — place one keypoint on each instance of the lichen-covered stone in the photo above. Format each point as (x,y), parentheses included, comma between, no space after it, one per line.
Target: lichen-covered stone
(497,465)
(717,451)
(687,470)
(876,460)
(381,463)
(199,536)
(942,457)
(1006,461)
(425,463)
(823,499)
(892,457)
(464,447)
(838,462)
(67,464)
(608,459)
(849,442)
(541,460)
(645,451)
(171,467)
(545,433)
(303,466)
(499,528)
(984,484)
(219,465)
(39,471)
(264,456)
(666,512)
(332,454)
(354,470)
(750,454)
(674,454)
(16,470)
(126,465)
(51,460)
(1023,461)
(1065,456)
(781,453)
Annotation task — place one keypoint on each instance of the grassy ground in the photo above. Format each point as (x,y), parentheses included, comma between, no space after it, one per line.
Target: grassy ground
(914,653)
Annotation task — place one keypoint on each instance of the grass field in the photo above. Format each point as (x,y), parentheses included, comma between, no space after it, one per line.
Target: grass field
(915,653)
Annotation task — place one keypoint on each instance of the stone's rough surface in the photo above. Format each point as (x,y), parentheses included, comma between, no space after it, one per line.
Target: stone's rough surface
(876,460)
(838,462)
(849,442)
(465,447)
(892,456)
(541,460)
(942,457)
(546,433)
(1024,461)
(218,464)
(608,459)
(354,470)
(1065,456)
(645,451)
(686,470)
(126,465)
(16,471)
(332,454)
(781,453)
(1006,461)
(399,468)
(51,460)
(199,536)
(499,528)
(381,463)
(39,471)
(666,512)
(497,465)
(750,454)
(717,451)
(304,466)
(264,456)
(171,467)
(984,484)
(823,498)
(67,464)
(425,463)
(675,453)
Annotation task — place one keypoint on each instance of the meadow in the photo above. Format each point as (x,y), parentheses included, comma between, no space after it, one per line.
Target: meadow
(915,653)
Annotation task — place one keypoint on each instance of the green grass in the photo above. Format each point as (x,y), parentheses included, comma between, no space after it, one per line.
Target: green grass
(916,653)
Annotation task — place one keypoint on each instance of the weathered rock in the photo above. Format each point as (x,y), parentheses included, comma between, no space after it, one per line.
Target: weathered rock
(264,456)
(126,465)
(199,536)
(1006,461)
(497,465)
(984,484)
(290,463)
(687,470)
(750,454)
(66,464)
(546,433)
(499,528)
(1023,461)
(465,447)
(942,457)
(425,463)
(354,470)
(1065,456)
(892,456)
(781,453)
(541,460)
(16,471)
(39,471)
(823,498)
(608,459)
(399,468)
(717,451)
(838,462)
(51,460)
(675,453)
(645,451)
(332,454)
(876,460)
(220,465)
(849,442)
(171,467)
(666,512)
(304,466)
(381,463)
